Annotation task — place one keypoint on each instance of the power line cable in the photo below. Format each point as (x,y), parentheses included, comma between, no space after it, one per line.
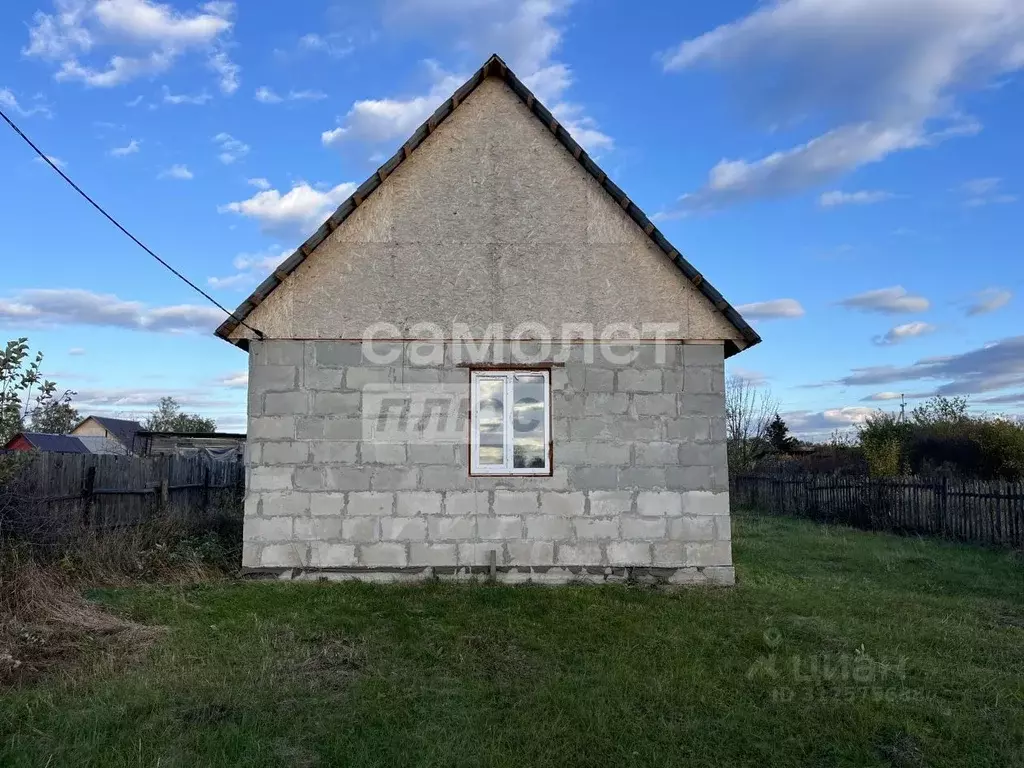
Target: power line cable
(117,224)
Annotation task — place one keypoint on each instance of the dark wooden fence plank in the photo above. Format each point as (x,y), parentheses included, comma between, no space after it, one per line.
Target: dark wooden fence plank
(984,512)
(56,495)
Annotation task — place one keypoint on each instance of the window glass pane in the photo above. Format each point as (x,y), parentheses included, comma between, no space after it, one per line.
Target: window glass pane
(490,419)
(528,420)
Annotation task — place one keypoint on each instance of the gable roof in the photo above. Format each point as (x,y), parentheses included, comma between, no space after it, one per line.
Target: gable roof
(493,67)
(123,430)
(54,443)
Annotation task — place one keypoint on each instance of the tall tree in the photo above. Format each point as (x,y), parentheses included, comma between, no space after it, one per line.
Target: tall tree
(168,417)
(748,412)
(19,377)
(54,414)
(779,437)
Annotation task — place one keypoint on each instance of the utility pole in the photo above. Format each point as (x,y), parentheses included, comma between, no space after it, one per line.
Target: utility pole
(903,408)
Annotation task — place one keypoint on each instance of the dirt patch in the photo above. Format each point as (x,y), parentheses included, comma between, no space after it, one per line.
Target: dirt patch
(46,626)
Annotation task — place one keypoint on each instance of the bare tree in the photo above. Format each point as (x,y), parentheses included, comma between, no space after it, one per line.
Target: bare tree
(749,411)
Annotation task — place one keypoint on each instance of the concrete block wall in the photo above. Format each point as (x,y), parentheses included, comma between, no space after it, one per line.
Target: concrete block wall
(639,486)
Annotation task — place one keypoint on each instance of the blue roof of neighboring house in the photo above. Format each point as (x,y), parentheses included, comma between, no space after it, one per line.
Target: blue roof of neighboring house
(55,443)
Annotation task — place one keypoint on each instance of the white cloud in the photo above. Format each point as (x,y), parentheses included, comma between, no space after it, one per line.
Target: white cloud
(259,183)
(754,378)
(989,300)
(888,301)
(227,70)
(334,45)
(903,332)
(58,307)
(526,33)
(76,351)
(979,192)
(815,162)
(302,207)
(185,98)
(9,102)
(861,197)
(885,74)
(53,159)
(388,119)
(878,397)
(176,172)
(267,95)
(810,424)
(231,149)
(771,310)
(128,149)
(151,35)
(988,368)
(252,268)
(237,380)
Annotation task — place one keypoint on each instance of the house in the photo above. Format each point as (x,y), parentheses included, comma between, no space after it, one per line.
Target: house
(488,361)
(40,441)
(119,433)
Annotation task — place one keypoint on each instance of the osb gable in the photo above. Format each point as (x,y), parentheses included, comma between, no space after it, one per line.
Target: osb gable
(490,220)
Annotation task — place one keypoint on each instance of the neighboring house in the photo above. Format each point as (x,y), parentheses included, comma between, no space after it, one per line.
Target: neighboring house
(40,441)
(120,432)
(216,445)
(396,432)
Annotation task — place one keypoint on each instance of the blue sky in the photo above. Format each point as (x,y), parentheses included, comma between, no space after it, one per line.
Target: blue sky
(848,174)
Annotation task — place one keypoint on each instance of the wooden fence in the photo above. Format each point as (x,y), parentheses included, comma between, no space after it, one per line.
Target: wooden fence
(984,512)
(47,496)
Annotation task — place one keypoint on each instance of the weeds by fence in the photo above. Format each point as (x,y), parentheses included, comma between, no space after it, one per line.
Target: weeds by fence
(49,496)
(984,512)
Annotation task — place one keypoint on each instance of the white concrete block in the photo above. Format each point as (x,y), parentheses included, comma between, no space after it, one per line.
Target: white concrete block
(403,528)
(459,503)
(429,553)
(500,527)
(383,554)
(419,503)
(267,528)
(629,553)
(610,503)
(578,554)
(443,528)
(687,528)
(360,528)
(594,528)
(548,527)
(325,555)
(705,503)
(658,503)
(515,503)
(370,503)
(634,527)
(562,504)
(530,552)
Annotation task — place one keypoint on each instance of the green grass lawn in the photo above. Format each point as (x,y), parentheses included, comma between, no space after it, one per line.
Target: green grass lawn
(837,647)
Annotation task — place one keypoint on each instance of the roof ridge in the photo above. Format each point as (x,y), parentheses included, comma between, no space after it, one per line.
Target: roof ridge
(494,66)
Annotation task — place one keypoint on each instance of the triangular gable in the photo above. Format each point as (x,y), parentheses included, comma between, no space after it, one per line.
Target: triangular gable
(494,67)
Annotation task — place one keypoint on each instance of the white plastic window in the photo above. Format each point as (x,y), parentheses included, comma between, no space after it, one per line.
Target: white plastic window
(511,423)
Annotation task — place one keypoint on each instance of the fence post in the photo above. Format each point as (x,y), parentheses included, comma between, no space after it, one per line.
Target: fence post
(165,483)
(943,502)
(88,497)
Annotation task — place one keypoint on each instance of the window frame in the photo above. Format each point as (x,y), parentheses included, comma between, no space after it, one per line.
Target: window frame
(476,469)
